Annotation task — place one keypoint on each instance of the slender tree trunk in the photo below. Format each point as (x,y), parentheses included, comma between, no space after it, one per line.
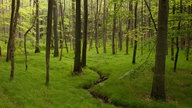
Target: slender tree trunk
(114,29)
(15,13)
(172,39)
(73,24)
(37,48)
(25,45)
(104,28)
(77,60)
(158,85)
(62,25)
(48,39)
(135,38)
(177,38)
(142,25)
(129,28)
(84,50)
(55,27)
(10,31)
(188,36)
(120,35)
(96,27)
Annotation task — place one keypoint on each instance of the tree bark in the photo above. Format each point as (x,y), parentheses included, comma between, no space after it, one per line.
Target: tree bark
(177,38)
(37,48)
(55,27)
(158,85)
(15,13)
(48,39)
(77,61)
(135,38)
(104,28)
(84,50)
(114,28)
(96,27)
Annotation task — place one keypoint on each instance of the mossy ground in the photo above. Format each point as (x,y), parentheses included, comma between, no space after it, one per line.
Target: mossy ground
(28,89)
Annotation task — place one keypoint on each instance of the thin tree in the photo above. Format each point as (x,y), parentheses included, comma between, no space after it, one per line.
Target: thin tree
(55,18)
(158,85)
(135,40)
(77,60)
(84,50)
(48,39)
(13,25)
(114,27)
(104,27)
(177,38)
(97,27)
(37,48)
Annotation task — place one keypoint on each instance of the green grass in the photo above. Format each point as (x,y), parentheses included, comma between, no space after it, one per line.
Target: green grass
(28,89)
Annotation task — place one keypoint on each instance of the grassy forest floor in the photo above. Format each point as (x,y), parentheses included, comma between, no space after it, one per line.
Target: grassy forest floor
(28,89)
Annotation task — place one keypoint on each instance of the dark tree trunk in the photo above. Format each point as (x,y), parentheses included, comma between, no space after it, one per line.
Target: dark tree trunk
(15,12)
(48,39)
(84,50)
(77,60)
(172,39)
(120,35)
(135,38)
(55,11)
(188,36)
(158,86)
(177,38)
(37,48)
(114,29)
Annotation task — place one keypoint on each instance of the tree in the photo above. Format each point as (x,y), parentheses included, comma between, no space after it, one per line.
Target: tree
(84,51)
(77,60)
(37,48)
(97,27)
(104,27)
(11,44)
(48,39)
(114,27)
(135,40)
(55,11)
(158,86)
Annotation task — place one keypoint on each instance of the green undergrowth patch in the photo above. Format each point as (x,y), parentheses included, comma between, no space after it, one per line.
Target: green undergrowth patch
(28,89)
(128,85)
(133,89)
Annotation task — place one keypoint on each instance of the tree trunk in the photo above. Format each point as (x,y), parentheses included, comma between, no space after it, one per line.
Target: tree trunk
(135,38)
(158,86)
(55,10)
(104,28)
(48,39)
(120,35)
(84,50)
(114,28)
(177,38)
(37,48)
(96,28)
(13,27)
(77,61)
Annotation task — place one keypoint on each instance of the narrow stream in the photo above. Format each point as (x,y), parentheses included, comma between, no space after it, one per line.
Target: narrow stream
(98,95)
